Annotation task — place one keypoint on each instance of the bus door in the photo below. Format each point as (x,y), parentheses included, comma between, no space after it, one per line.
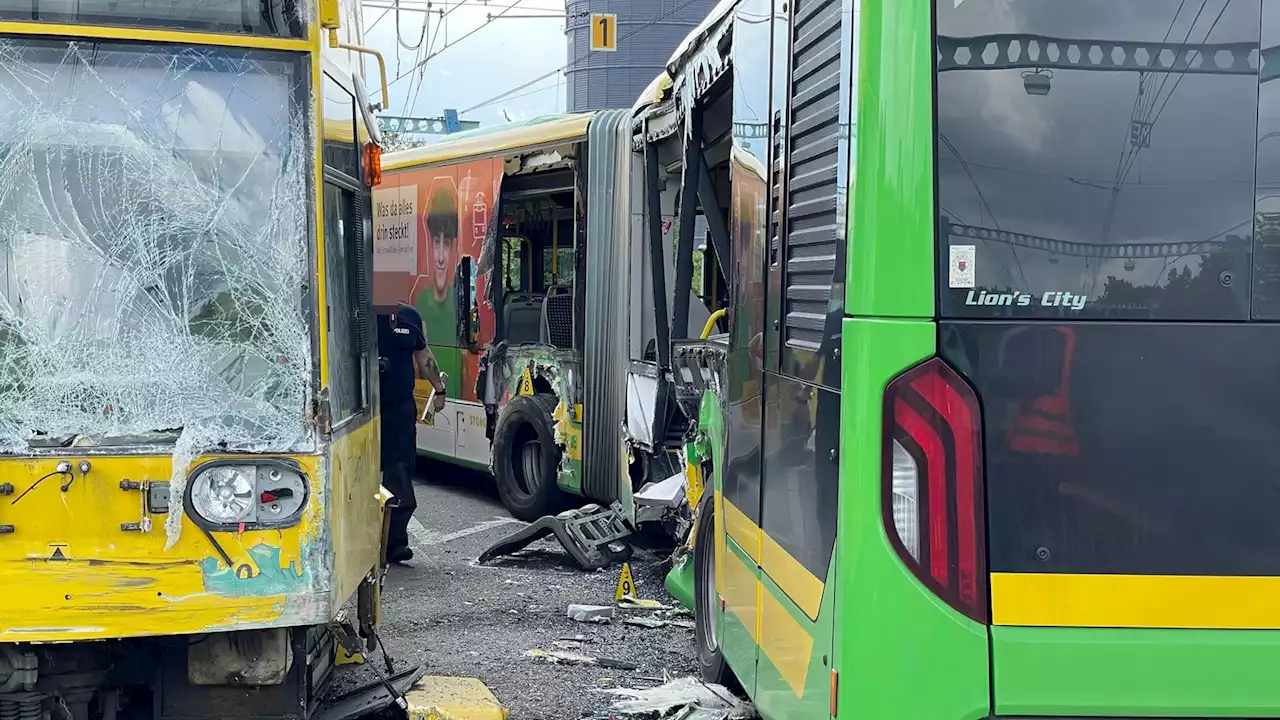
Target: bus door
(791,264)
(805,267)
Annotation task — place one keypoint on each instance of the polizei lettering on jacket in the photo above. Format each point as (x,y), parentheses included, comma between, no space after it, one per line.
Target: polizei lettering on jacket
(1062,299)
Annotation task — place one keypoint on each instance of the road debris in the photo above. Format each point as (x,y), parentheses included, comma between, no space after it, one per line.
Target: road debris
(571,658)
(667,493)
(591,613)
(692,697)
(638,604)
(487,641)
(653,621)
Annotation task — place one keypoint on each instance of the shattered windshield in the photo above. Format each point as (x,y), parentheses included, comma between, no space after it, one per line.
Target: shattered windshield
(260,17)
(153,248)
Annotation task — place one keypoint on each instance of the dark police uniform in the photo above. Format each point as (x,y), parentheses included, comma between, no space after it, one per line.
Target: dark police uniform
(396,346)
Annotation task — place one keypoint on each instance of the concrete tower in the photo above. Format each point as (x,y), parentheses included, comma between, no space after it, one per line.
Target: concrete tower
(599,80)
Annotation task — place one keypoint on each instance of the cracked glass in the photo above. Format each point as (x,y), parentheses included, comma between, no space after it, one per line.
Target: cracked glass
(154,255)
(280,18)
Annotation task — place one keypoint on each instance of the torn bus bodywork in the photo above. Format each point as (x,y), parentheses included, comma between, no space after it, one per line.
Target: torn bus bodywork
(535,370)
(555,269)
(672,180)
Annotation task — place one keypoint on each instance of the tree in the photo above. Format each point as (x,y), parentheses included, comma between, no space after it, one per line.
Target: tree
(395,141)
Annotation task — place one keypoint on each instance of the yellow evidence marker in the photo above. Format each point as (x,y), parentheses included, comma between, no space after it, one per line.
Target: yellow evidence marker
(526,383)
(342,657)
(626,584)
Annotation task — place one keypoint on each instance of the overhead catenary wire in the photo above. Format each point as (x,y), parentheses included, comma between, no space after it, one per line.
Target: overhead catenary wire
(426,21)
(1129,157)
(1150,103)
(1140,108)
(386,10)
(566,66)
(448,45)
(427,9)
(411,7)
(535,91)
(439,6)
(1174,89)
(421,65)
(419,50)
(422,71)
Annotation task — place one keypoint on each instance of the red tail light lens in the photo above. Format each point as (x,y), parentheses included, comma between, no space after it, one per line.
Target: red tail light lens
(932,489)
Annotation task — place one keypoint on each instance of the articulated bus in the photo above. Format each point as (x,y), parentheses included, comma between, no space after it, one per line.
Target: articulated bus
(525,252)
(190,492)
(1009,316)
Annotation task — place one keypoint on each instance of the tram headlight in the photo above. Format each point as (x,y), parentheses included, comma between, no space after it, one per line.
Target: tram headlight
(267,494)
(224,494)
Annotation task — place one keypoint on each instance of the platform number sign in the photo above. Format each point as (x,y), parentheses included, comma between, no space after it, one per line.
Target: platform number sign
(604,32)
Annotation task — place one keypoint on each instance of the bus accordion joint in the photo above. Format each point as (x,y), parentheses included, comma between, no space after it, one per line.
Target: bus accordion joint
(932,462)
(334,42)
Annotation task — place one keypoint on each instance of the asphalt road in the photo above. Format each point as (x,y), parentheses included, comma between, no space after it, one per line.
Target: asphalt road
(461,618)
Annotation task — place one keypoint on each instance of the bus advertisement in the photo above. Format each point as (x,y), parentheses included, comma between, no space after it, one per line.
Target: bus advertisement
(429,224)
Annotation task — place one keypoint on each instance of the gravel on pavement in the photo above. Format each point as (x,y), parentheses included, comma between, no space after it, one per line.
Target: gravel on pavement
(457,617)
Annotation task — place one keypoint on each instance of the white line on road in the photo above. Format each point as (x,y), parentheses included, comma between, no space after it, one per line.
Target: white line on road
(421,537)
(418,536)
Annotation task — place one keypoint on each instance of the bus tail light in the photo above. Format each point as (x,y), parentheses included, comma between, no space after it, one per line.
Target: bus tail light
(932,498)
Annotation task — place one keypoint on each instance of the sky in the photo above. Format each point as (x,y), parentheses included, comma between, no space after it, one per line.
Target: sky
(471,59)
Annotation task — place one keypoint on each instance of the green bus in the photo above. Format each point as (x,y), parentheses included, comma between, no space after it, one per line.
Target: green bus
(989,434)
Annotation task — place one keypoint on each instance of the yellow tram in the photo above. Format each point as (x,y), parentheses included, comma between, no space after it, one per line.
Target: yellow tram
(189,471)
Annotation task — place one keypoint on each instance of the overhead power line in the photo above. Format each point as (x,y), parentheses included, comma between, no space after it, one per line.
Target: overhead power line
(421,36)
(436,7)
(448,45)
(566,66)
(422,71)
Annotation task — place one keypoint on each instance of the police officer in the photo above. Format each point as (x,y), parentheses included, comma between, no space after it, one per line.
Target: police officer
(402,349)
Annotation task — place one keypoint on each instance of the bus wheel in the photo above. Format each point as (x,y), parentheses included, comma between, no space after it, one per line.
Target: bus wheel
(706,601)
(526,457)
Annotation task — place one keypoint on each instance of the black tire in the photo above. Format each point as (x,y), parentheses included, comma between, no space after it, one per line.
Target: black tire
(526,458)
(710,656)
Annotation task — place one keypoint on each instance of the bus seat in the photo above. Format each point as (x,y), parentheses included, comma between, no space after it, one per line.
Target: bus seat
(557,317)
(522,317)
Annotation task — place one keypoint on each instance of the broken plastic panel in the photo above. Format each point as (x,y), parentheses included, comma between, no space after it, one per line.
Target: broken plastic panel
(154,256)
(686,692)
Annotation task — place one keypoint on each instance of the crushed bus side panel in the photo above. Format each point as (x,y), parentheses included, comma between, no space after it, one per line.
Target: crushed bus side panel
(534,369)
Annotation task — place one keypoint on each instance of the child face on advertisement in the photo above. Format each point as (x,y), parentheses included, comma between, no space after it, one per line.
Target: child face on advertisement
(442,227)
(442,251)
